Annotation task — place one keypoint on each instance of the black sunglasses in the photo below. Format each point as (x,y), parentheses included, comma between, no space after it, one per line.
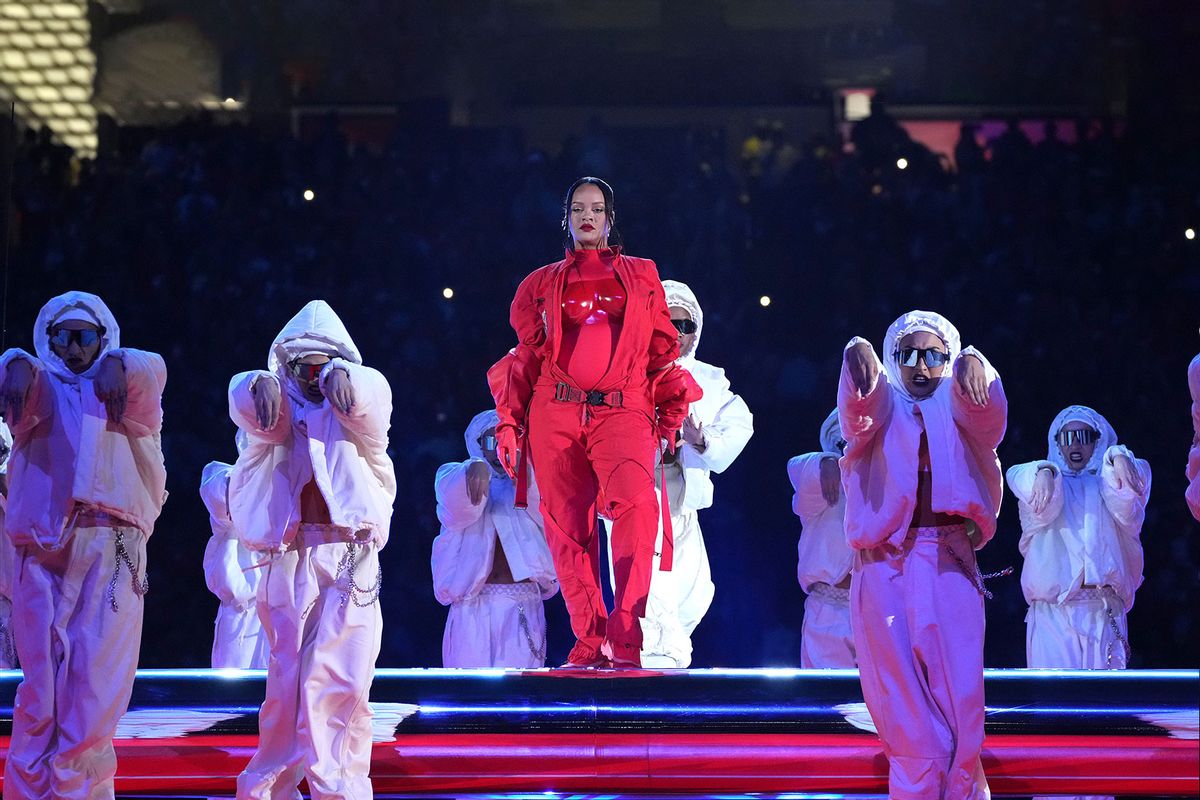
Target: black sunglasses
(1084,436)
(684,326)
(64,336)
(934,358)
(307,373)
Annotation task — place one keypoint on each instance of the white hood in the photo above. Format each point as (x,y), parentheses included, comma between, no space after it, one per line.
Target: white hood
(1108,437)
(918,321)
(481,422)
(831,432)
(680,294)
(56,308)
(316,328)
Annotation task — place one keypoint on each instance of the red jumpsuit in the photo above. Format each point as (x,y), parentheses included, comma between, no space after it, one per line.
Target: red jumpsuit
(595,323)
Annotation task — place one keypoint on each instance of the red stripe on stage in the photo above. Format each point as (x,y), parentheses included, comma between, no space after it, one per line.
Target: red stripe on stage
(648,762)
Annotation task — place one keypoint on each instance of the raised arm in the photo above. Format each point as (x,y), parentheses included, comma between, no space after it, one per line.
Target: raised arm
(460,559)
(1125,488)
(816,479)
(726,436)
(1038,489)
(864,397)
(145,379)
(978,403)
(455,509)
(25,395)
(244,397)
(366,410)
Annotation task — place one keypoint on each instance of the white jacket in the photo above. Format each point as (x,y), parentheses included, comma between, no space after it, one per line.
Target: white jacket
(1090,532)
(822,553)
(228,567)
(726,420)
(883,434)
(464,550)
(65,452)
(346,454)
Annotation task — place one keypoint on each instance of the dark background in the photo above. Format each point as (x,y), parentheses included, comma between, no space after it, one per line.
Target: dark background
(439,141)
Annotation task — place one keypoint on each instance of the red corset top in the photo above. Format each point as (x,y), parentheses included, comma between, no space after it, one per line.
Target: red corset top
(593,310)
(591,302)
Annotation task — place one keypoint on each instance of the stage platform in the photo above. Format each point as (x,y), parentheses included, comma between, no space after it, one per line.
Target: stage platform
(645,733)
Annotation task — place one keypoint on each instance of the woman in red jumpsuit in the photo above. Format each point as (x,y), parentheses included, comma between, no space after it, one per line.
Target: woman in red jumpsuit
(589,392)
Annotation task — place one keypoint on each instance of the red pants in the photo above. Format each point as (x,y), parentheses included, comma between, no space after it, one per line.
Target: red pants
(587,457)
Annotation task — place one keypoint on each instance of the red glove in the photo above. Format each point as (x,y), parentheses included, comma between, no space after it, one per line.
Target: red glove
(508,449)
(674,391)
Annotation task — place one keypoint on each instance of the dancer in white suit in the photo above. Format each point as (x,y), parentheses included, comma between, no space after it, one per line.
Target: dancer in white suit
(1082,509)
(923,488)
(823,557)
(87,483)
(715,431)
(312,493)
(229,570)
(490,562)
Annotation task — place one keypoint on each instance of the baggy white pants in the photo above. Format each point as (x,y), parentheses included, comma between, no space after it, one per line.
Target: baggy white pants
(502,626)
(826,640)
(917,616)
(1088,630)
(79,656)
(315,721)
(238,639)
(678,599)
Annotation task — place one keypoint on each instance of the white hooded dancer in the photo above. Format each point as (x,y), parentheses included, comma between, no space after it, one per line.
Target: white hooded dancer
(824,558)
(490,561)
(229,570)
(87,483)
(714,433)
(1081,520)
(312,494)
(923,488)
(8,646)
(1193,465)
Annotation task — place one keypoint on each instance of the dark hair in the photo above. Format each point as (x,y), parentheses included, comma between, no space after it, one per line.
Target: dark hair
(610,210)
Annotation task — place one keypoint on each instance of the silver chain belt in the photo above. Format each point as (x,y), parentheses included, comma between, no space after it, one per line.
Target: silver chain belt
(354,592)
(122,557)
(538,652)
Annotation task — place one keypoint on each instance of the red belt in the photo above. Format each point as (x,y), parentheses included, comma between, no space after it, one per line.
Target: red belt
(566,393)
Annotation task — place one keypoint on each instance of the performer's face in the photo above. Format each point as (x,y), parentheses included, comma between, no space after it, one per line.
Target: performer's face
(306,371)
(680,317)
(587,218)
(1079,451)
(488,437)
(922,380)
(77,343)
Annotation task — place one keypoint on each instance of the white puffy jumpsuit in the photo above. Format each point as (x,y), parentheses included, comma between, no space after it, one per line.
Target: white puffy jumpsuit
(83,497)
(490,624)
(1083,552)
(318,596)
(229,570)
(823,559)
(680,597)
(916,596)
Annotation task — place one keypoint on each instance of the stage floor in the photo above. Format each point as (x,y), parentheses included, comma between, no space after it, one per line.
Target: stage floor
(600,735)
